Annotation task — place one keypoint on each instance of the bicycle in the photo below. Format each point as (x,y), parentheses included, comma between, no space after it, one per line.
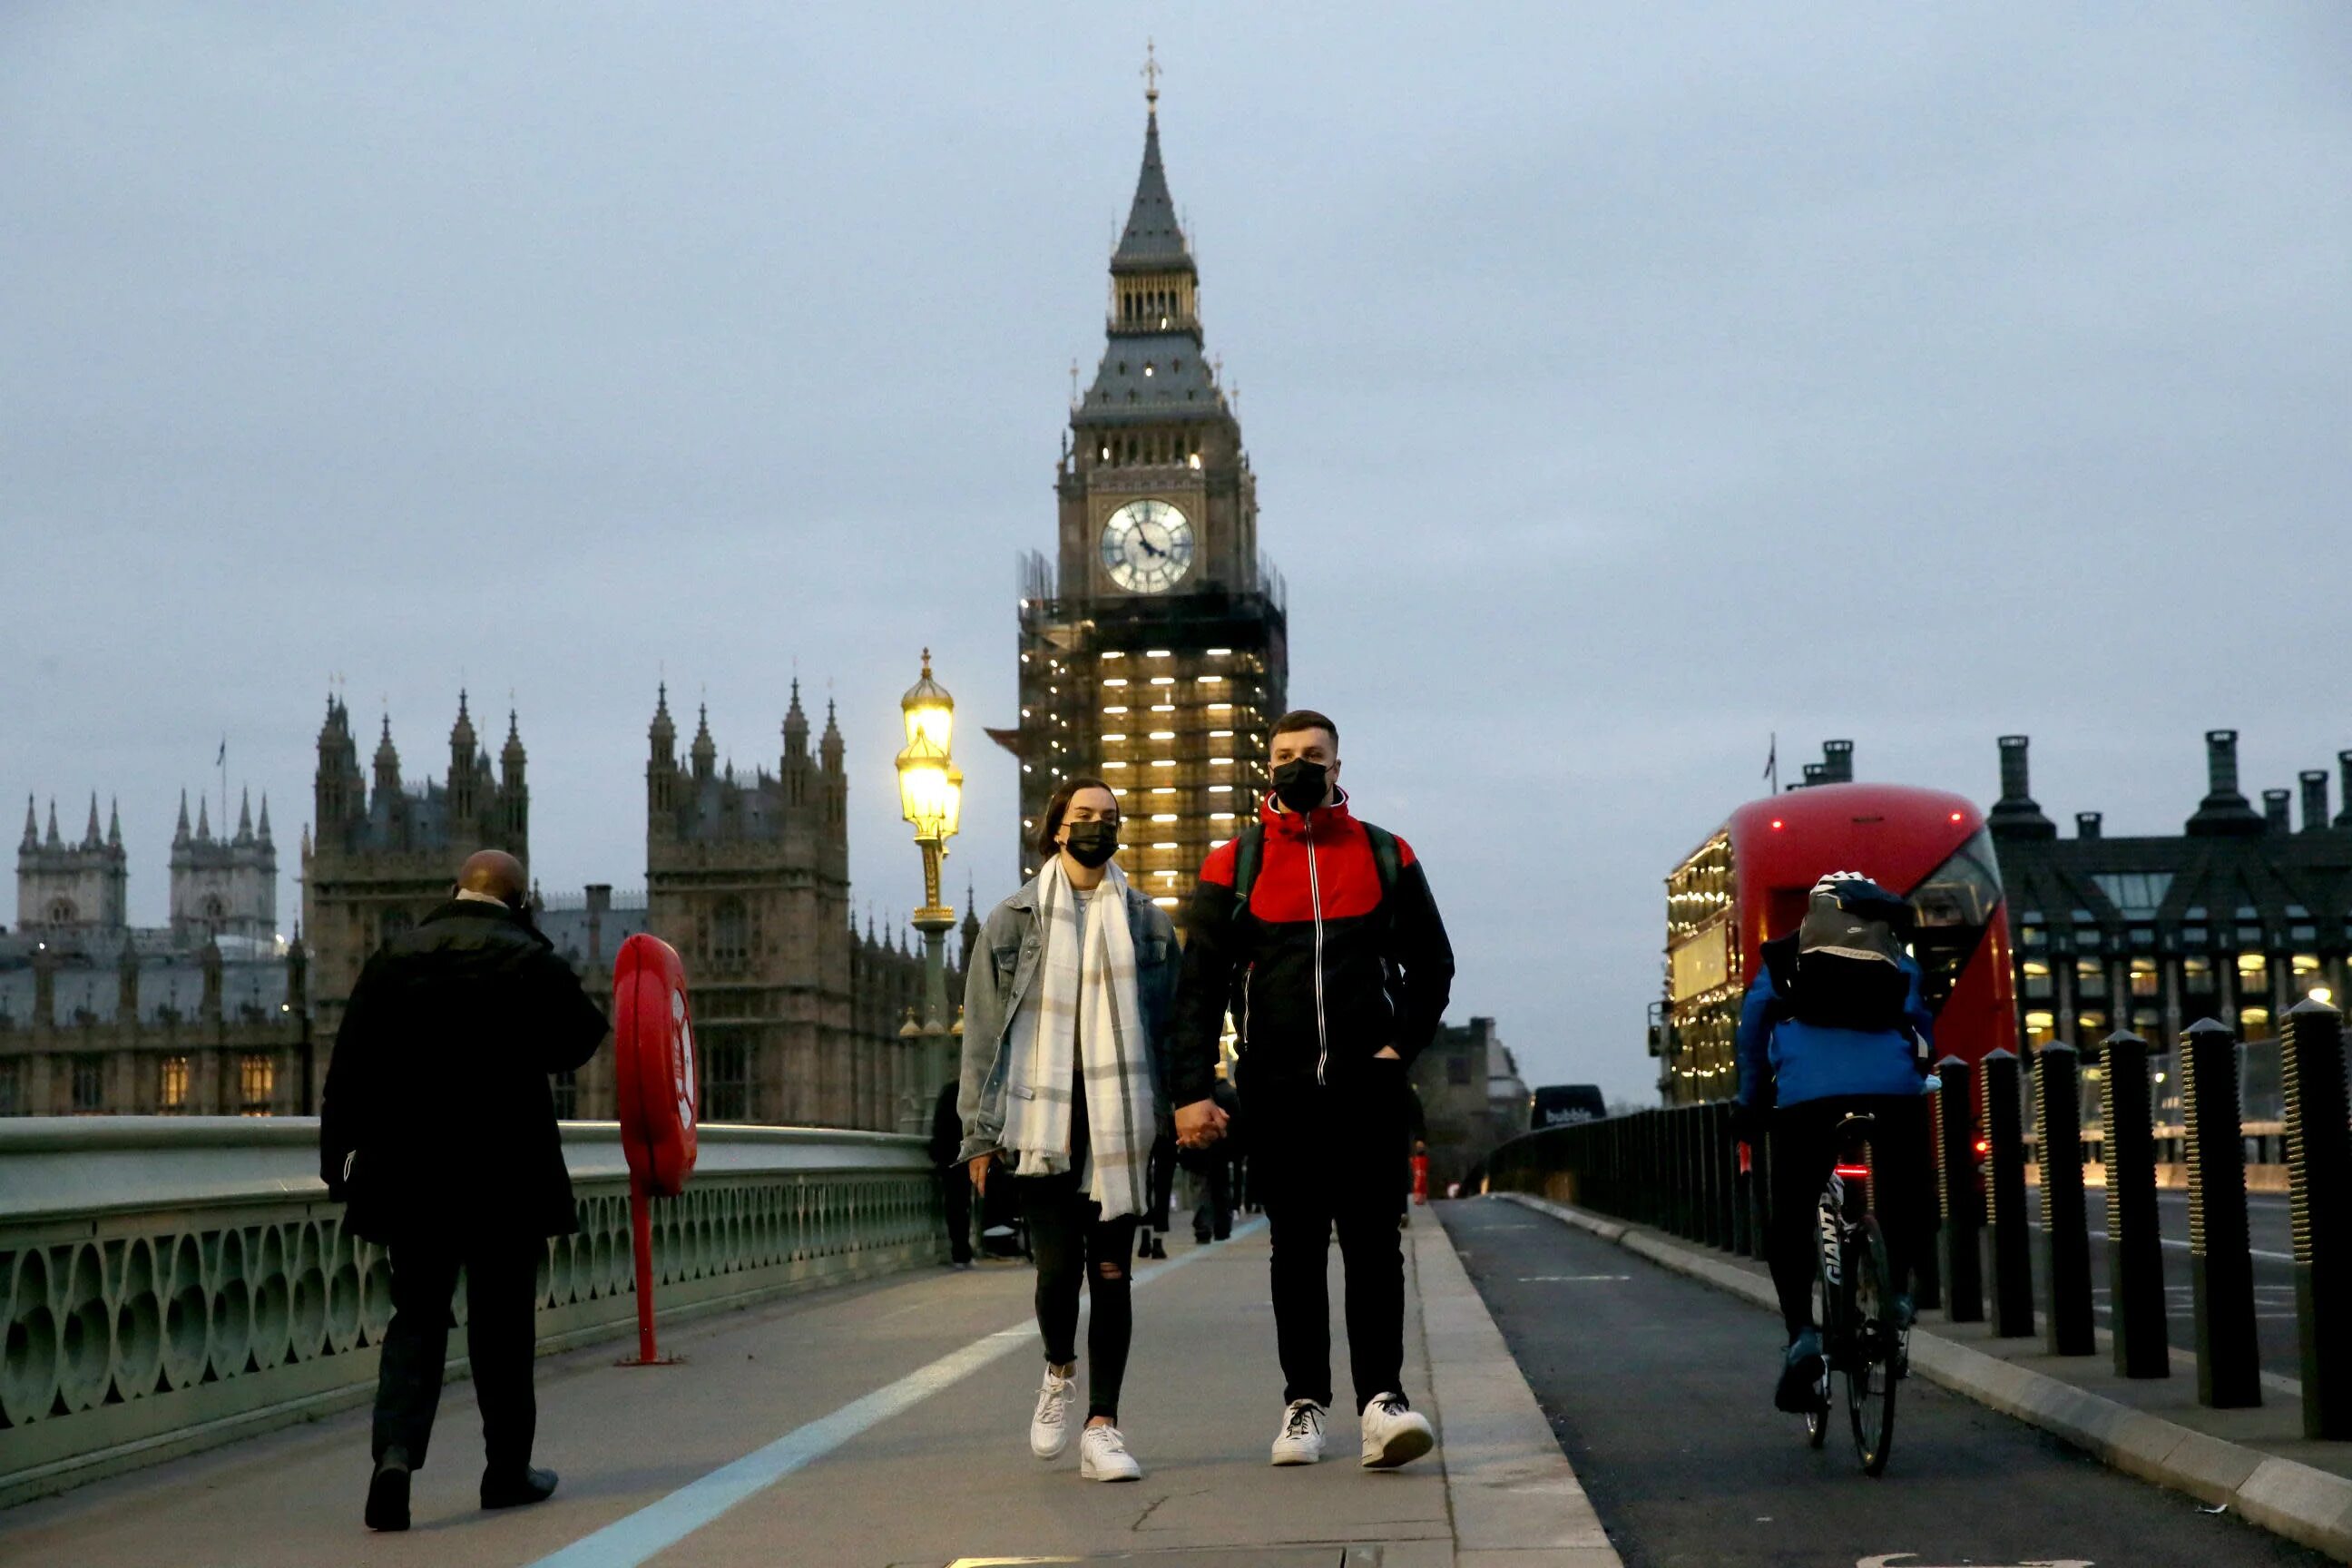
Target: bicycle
(1861,1339)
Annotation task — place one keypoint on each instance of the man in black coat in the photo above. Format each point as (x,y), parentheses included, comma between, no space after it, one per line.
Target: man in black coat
(437,1131)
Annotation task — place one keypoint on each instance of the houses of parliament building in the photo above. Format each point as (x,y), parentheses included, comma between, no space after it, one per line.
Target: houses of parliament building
(798,1015)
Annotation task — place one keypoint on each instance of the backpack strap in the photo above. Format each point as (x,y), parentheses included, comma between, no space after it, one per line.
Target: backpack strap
(1386,858)
(1248,853)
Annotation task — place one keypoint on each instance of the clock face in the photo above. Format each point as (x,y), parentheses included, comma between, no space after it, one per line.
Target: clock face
(1146,546)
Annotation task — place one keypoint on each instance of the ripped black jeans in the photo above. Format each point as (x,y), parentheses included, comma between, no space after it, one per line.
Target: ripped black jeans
(1071,1240)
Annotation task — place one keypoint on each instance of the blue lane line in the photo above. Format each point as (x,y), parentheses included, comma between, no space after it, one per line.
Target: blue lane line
(634,1539)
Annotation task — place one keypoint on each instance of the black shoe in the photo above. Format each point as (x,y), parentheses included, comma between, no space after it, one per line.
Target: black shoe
(518,1489)
(1799,1392)
(1158,1249)
(387,1499)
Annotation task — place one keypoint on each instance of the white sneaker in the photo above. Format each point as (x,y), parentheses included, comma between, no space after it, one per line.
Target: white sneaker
(1394,1433)
(1049,1429)
(1103,1456)
(1300,1441)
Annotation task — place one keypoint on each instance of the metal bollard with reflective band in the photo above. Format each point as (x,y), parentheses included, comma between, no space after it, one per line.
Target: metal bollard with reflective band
(2135,1243)
(2010,1246)
(2221,1262)
(2319,1207)
(2066,1232)
(1963,1207)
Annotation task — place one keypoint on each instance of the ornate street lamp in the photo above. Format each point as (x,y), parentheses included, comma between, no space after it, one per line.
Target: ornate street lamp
(930,797)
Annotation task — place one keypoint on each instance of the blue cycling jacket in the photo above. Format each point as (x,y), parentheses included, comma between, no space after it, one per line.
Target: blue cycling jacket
(1808,1061)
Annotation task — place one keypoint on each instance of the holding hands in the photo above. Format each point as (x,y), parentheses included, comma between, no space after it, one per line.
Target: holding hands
(1199,1124)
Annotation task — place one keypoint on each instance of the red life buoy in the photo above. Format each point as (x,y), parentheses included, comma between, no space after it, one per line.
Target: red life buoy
(654,1065)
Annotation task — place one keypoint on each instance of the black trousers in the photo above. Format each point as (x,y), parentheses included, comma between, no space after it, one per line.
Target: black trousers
(1162,1175)
(1330,1158)
(955,1184)
(502,1335)
(1072,1241)
(1805,1147)
(1213,1217)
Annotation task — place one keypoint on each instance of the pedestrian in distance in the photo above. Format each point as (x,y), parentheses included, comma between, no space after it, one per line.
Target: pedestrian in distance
(1214,1168)
(1318,931)
(1067,1007)
(437,1130)
(955,1182)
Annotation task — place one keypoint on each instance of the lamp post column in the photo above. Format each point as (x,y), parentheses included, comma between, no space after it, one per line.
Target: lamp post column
(934,920)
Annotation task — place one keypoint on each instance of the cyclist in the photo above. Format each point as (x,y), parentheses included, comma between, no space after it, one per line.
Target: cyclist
(1834,1024)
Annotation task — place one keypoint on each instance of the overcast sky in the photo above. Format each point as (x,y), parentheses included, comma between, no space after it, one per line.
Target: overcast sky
(1624,385)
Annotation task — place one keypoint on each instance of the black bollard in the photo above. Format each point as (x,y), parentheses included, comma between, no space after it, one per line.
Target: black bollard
(1743,1214)
(1963,1205)
(2010,1248)
(2319,1177)
(2135,1242)
(2221,1262)
(1694,1174)
(2066,1232)
(1760,1194)
(1726,1176)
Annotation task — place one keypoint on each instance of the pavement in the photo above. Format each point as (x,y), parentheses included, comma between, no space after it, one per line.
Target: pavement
(2218,1464)
(886,1422)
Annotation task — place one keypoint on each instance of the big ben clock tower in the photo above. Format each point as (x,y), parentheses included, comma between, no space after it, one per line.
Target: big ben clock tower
(1153,647)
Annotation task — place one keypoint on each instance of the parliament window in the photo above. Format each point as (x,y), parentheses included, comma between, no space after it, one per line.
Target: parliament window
(89,1085)
(172,1085)
(731,940)
(12,1088)
(566,1088)
(726,1091)
(256,1080)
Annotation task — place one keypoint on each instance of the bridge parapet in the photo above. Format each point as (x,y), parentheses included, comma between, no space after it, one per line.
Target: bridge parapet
(168,1284)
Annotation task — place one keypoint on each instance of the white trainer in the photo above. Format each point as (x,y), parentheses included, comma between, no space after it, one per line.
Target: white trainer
(1049,1429)
(1103,1456)
(1300,1441)
(1394,1433)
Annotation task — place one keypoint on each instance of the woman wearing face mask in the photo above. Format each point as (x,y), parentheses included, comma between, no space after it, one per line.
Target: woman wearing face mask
(1065,1087)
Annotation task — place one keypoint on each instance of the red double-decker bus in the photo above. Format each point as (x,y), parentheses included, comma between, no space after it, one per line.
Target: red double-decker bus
(1749,881)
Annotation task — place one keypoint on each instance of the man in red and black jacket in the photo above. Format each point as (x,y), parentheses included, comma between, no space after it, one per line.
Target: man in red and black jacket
(1318,932)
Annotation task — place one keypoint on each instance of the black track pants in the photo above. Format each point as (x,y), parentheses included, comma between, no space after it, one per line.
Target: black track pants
(1331,1157)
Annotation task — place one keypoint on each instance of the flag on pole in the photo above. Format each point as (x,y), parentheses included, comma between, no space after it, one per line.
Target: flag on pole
(1772,757)
(222,761)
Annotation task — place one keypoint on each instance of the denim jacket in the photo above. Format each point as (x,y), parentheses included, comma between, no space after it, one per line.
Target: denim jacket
(997,979)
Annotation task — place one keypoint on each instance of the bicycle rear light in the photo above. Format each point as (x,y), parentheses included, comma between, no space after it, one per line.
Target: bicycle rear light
(1853,1172)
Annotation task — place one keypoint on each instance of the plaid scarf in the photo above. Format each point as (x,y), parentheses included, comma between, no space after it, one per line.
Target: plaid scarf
(1085,1000)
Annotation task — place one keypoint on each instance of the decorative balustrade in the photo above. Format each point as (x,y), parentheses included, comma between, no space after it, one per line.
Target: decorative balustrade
(167,1284)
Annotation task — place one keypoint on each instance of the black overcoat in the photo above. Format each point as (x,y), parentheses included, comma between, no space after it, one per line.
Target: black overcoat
(438,1120)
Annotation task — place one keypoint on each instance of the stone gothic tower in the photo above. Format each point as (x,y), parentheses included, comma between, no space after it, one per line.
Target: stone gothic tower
(747,875)
(225,887)
(81,889)
(1154,648)
(378,860)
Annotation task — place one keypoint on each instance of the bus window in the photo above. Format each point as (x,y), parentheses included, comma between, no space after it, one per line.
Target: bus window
(1962,892)
(1955,902)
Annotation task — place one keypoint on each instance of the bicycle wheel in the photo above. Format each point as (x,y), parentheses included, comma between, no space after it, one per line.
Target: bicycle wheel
(1870,1363)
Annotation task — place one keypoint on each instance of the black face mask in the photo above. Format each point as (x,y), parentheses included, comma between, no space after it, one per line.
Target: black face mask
(1092,844)
(1301,785)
